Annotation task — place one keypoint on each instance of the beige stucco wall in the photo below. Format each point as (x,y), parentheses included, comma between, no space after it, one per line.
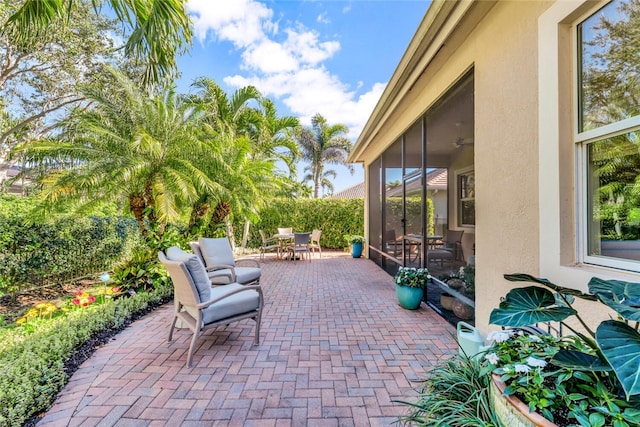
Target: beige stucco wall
(521,53)
(502,50)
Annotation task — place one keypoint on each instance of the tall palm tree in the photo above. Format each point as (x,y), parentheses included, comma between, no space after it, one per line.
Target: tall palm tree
(321,145)
(159,29)
(272,136)
(131,147)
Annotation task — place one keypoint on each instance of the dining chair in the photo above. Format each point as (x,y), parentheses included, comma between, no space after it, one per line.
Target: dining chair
(285,230)
(200,306)
(450,250)
(314,242)
(300,245)
(269,244)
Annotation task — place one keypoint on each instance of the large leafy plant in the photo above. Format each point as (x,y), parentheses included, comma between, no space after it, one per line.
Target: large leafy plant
(614,345)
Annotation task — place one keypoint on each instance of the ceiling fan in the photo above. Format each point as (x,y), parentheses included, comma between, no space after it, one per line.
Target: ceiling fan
(462,142)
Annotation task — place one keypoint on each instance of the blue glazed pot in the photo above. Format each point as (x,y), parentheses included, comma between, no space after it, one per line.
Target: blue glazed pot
(356,250)
(409,297)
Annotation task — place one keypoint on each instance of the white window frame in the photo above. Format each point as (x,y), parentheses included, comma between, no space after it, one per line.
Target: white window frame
(582,141)
(551,35)
(458,173)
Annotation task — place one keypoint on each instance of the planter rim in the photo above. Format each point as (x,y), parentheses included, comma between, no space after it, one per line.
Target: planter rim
(534,417)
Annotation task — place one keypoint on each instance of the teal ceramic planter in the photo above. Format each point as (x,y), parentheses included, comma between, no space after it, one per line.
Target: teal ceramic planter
(356,250)
(409,297)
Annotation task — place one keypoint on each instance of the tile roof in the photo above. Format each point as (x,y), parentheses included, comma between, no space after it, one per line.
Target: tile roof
(353,192)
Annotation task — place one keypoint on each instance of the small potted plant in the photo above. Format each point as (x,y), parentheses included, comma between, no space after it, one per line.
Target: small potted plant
(410,285)
(356,242)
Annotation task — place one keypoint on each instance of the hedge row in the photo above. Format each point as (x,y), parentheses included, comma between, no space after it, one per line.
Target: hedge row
(335,217)
(36,254)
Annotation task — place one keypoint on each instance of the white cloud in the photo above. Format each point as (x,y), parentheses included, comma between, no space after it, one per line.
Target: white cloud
(242,22)
(287,64)
(323,18)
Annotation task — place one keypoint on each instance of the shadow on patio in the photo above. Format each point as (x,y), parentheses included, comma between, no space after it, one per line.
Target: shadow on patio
(336,349)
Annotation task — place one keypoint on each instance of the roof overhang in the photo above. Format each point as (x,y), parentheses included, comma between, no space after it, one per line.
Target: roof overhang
(442,20)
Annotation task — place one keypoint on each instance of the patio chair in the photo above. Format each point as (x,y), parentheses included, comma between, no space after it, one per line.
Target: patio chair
(314,242)
(201,307)
(269,244)
(217,256)
(450,250)
(300,245)
(392,245)
(285,230)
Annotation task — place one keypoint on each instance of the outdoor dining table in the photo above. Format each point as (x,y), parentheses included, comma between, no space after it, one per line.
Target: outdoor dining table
(415,240)
(284,240)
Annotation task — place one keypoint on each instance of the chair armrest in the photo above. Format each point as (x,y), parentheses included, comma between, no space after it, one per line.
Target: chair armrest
(215,267)
(250,260)
(227,294)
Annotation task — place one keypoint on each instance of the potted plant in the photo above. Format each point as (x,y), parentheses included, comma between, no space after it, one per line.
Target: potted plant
(590,378)
(410,285)
(356,242)
(462,281)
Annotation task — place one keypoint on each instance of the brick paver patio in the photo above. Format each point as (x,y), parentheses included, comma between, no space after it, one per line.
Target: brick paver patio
(335,350)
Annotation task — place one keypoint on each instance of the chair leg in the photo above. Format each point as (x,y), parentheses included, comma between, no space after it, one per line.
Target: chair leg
(173,324)
(256,340)
(192,347)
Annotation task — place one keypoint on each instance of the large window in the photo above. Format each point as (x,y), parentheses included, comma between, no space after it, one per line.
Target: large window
(608,135)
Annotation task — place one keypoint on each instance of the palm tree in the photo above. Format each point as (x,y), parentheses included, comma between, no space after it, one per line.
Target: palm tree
(322,145)
(131,147)
(245,131)
(159,29)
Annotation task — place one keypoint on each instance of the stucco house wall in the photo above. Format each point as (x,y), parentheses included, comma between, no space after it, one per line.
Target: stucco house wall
(502,43)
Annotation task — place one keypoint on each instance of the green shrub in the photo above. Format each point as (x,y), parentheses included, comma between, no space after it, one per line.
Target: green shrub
(32,364)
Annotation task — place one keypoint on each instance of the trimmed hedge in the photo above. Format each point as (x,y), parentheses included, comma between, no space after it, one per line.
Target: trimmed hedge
(57,252)
(335,217)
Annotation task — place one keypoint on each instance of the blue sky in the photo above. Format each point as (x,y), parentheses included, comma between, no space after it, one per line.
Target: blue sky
(328,57)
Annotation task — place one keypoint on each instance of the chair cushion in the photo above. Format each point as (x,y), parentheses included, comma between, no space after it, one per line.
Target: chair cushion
(234,305)
(216,251)
(196,269)
(247,274)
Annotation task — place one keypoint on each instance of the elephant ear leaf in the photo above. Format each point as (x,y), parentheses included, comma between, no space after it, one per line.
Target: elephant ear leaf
(579,361)
(522,277)
(528,306)
(620,345)
(623,297)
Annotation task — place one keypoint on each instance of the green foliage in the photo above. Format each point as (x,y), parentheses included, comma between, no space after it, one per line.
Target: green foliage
(35,254)
(411,211)
(353,238)
(606,362)
(614,342)
(456,394)
(32,364)
(412,277)
(335,217)
(532,367)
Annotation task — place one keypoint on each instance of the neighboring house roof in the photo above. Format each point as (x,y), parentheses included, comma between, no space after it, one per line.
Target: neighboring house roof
(353,192)
(436,180)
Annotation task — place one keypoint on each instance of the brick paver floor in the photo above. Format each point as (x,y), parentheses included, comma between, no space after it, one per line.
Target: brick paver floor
(335,350)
